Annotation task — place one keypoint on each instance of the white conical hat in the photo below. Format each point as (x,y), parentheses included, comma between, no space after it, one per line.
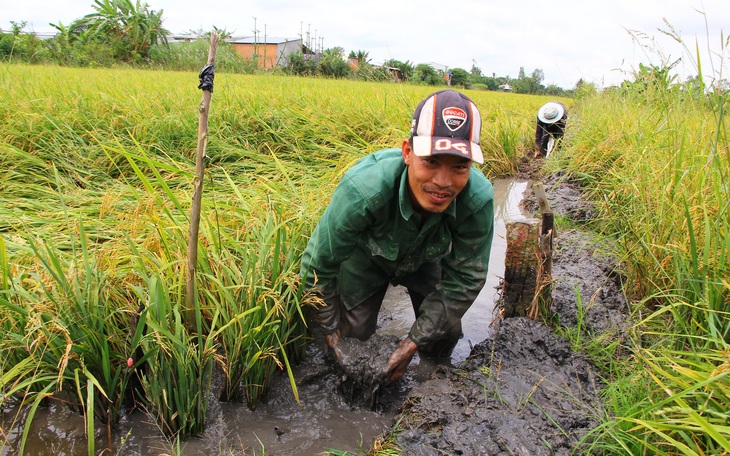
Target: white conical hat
(550,112)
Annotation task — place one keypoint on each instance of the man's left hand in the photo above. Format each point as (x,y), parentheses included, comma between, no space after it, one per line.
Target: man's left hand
(399,360)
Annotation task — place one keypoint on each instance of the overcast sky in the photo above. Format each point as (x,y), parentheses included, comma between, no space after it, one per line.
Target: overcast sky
(567,40)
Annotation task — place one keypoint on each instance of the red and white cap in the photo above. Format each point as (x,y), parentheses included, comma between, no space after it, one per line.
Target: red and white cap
(447,122)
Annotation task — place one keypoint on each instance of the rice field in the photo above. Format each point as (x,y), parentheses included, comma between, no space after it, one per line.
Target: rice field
(96,184)
(97,179)
(656,161)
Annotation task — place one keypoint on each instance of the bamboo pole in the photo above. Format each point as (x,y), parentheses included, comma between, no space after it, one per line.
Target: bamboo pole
(207,74)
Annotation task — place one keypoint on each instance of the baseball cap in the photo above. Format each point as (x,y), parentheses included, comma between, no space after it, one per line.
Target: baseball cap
(550,112)
(447,122)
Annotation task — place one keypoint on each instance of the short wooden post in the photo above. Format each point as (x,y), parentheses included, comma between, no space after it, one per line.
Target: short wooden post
(520,267)
(543,290)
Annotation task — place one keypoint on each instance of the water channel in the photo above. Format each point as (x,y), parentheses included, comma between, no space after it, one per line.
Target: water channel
(279,426)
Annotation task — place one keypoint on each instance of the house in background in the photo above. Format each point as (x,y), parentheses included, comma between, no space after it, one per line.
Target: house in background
(395,73)
(182,38)
(269,52)
(442,70)
(354,63)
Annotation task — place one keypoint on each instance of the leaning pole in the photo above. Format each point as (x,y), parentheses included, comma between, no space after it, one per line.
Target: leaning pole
(207,74)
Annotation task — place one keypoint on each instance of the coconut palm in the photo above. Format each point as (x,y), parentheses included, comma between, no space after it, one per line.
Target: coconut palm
(132,28)
(361,56)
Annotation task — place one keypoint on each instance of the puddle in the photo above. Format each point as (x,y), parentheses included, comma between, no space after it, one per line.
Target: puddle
(279,426)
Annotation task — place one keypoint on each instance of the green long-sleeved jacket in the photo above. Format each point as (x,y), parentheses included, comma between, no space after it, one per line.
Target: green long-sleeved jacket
(370,236)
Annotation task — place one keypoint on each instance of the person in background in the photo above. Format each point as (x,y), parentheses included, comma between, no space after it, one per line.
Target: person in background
(551,119)
(420,216)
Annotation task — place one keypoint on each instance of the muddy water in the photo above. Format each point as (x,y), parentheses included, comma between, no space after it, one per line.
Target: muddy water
(323,420)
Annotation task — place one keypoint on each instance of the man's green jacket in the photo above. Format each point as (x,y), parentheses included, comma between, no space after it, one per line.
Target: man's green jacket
(370,236)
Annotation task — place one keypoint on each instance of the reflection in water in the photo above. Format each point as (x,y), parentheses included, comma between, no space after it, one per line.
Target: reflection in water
(280,426)
(507,197)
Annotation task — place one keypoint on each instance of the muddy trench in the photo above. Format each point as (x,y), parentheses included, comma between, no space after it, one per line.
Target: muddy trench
(523,391)
(510,387)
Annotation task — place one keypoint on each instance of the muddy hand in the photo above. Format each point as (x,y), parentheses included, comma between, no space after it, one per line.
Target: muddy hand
(333,347)
(399,360)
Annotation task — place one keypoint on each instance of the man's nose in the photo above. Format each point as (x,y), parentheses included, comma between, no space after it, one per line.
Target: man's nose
(442,177)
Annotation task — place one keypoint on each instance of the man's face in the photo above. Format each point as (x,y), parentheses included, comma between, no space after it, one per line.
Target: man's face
(435,181)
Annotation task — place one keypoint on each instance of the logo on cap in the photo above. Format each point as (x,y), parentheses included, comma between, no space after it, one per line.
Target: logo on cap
(454,118)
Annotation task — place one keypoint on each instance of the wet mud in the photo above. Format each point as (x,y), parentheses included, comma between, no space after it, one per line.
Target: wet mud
(361,367)
(522,391)
(565,195)
(588,285)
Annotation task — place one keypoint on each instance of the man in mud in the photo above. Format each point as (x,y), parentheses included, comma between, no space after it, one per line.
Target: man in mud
(551,119)
(420,216)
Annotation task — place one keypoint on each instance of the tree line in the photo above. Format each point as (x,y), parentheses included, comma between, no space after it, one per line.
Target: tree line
(127,32)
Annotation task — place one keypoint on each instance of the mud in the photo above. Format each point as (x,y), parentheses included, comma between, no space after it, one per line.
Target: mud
(588,284)
(565,195)
(588,288)
(521,391)
(361,367)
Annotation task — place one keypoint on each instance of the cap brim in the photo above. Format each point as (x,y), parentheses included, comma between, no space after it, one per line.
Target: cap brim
(427,146)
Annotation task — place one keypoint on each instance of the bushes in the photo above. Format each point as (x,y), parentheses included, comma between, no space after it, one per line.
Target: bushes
(17,46)
(191,56)
(301,65)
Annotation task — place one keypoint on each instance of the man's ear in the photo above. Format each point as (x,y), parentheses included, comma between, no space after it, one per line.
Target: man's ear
(407,151)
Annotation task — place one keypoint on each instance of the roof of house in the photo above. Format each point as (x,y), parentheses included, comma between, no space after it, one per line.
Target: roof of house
(182,37)
(259,40)
(438,66)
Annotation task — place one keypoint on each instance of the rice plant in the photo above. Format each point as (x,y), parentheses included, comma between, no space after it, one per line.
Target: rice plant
(94,199)
(72,336)
(658,167)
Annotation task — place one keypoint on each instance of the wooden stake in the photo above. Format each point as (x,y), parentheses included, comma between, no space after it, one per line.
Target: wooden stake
(541,300)
(206,84)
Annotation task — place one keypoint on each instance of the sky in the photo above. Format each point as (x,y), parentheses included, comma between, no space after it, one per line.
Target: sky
(600,42)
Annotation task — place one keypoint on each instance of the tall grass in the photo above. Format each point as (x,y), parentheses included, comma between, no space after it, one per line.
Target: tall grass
(187,57)
(656,159)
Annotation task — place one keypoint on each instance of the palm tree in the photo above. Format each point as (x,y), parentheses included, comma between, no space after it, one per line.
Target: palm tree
(359,62)
(131,27)
(362,57)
